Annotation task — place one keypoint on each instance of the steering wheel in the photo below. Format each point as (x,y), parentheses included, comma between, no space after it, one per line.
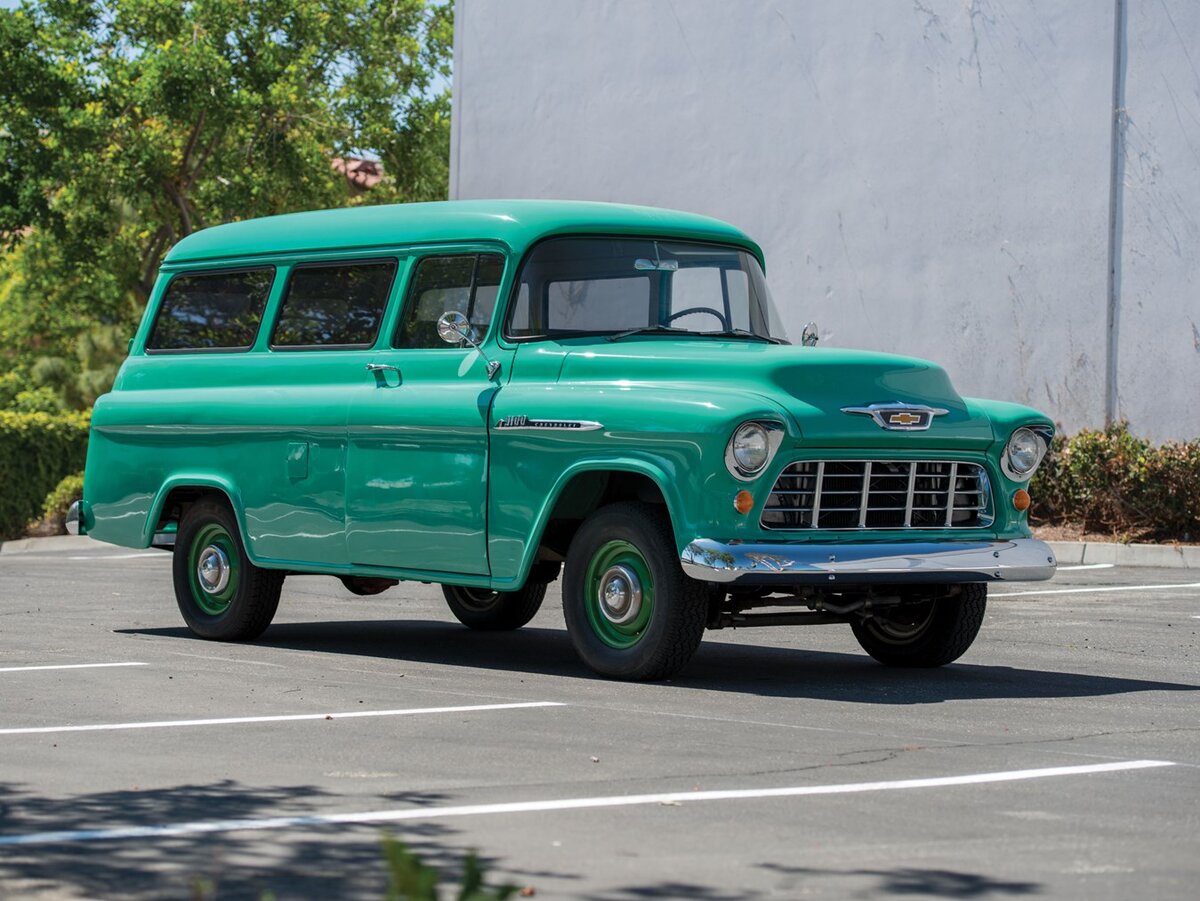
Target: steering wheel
(709,310)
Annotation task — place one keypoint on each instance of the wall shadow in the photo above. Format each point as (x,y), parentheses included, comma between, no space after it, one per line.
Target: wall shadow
(717,666)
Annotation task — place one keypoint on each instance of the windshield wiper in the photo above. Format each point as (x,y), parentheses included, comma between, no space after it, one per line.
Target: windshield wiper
(650,330)
(742,333)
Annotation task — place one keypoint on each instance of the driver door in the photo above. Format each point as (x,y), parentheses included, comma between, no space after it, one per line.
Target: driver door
(417,460)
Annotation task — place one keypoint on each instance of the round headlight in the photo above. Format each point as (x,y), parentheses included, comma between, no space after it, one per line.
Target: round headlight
(1024,452)
(750,448)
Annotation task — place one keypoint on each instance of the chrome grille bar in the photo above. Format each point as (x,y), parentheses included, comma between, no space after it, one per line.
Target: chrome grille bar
(864,503)
(950,494)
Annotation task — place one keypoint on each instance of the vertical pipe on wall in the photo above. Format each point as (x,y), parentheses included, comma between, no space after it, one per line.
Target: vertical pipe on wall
(456,90)
(1116,201)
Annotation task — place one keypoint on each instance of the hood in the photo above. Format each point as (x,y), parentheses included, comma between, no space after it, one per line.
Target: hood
(812,384)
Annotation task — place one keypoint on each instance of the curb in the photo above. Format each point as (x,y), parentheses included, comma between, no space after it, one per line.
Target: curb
(50,544)
(1069,553)
(1167,556)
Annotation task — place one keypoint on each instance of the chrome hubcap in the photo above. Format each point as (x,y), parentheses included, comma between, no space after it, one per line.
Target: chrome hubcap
(620,595)
(212,569)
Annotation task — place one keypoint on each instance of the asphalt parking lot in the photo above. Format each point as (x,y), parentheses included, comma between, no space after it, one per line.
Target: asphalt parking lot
(1059,758)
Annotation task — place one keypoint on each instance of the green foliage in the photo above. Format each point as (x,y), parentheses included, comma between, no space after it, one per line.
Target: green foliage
(1112,481)
(37,400)
(411,879)
(58,501)
(36,451)
(127,124)
(75,384)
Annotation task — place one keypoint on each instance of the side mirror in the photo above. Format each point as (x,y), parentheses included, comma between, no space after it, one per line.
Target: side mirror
(453,327)
(809,336)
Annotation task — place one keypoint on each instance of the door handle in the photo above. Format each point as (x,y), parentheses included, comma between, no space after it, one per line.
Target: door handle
(383,367)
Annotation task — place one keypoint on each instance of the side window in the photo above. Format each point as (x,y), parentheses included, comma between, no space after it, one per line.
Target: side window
(337,305)
(211,311)
(468,283)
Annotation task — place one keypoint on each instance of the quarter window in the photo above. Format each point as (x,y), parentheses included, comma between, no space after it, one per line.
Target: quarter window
(468,283)
(211,311)
(334,305)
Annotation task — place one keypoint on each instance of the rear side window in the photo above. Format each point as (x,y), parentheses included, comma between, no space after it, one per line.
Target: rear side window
(468,283)
(334,305)
(211,311)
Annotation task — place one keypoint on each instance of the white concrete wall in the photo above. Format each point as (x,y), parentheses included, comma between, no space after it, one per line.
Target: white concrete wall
(1158,359)
(928,177)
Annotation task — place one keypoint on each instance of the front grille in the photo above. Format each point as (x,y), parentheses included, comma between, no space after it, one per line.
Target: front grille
(879,494)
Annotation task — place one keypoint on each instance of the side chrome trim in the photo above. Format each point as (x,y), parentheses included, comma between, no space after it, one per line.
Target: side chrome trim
(795,563)
(524,423)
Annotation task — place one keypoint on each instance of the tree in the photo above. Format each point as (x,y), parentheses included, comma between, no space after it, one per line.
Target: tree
(125,125)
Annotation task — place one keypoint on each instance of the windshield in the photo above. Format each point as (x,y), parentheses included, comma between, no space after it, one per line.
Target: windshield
(620,286)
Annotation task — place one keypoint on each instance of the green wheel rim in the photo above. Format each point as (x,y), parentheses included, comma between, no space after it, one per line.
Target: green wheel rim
(214,535)
(608,557)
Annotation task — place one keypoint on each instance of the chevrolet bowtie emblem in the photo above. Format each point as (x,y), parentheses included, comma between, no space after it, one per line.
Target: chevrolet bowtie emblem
(898,417)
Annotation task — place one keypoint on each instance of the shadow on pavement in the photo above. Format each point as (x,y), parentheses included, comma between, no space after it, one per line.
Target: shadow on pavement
(909,881)
(717,666)
(314,862)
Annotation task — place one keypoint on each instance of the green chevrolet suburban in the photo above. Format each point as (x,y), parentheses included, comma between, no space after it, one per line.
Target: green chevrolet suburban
(488,395)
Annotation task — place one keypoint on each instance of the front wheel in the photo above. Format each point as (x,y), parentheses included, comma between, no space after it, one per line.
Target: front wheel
(494,611)
(926,633)
(221,594)
(631,612)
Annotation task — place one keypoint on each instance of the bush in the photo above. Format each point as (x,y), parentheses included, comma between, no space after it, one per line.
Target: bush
(37,450)
(411,879)
(37,400)
(58,501)
(1112,481)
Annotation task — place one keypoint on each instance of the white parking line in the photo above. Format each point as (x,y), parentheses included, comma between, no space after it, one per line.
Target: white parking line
(671,798)
(1021,594)
(158,554)
(235,720)
(26,669)
(1063,569)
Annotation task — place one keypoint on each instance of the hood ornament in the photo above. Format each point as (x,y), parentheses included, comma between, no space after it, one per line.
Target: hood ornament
(898,417)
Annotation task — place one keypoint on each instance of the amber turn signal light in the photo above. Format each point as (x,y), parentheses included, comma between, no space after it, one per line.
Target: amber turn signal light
(1021,500)
(743,502)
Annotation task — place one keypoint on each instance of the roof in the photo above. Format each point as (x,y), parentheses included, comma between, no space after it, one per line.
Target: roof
(515,223)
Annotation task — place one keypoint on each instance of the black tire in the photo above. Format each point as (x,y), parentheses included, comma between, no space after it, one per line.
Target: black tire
(241,609)
(494,611)
(663,635)
(926,634)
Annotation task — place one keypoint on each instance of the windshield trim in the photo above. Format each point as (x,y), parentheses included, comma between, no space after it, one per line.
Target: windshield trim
(505,337)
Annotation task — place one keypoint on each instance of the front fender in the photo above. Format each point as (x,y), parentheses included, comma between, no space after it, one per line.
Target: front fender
(648,468)
(671,434)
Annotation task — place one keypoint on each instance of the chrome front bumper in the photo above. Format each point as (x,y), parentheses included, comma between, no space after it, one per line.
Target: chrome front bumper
(798,563)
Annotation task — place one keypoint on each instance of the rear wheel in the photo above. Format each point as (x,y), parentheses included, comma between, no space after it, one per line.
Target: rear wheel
(631,612)
(926,633)
(494,611)
(221,594)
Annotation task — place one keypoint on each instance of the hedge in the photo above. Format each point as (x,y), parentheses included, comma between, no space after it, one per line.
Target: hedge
(37,450)
(1113,482)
